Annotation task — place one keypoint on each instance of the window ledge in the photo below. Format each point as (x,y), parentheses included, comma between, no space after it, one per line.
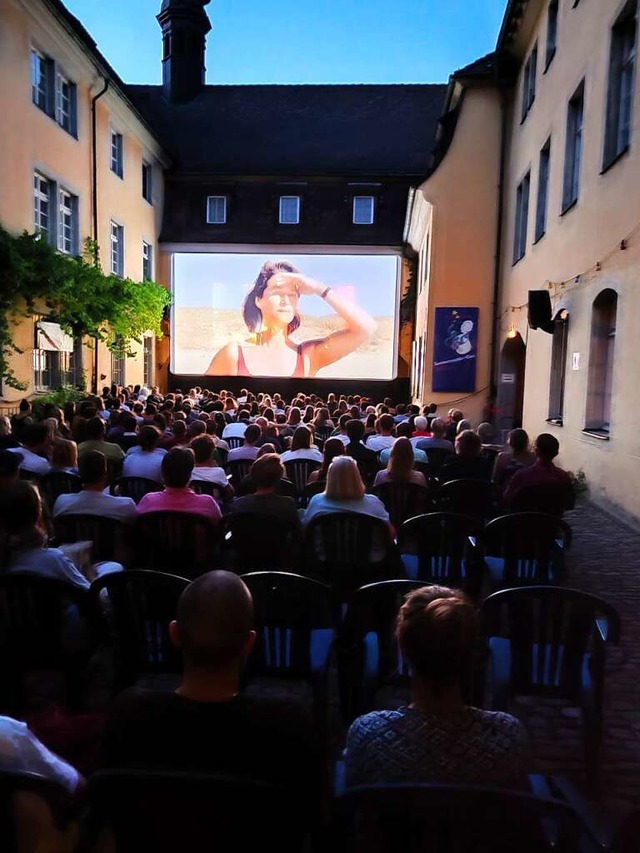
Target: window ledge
(612,162)
(569,207)
(555,421)
(600,434)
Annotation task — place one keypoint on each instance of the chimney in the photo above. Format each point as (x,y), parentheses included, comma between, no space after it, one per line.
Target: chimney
(185,25)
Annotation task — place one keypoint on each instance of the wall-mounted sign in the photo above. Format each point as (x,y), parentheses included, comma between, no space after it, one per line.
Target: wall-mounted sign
(575,361)
(455,349)
(507,378)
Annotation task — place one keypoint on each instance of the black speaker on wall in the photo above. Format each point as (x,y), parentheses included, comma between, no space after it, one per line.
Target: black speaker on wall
(540,311)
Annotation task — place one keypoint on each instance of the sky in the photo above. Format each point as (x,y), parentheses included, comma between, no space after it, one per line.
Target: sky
(305,41)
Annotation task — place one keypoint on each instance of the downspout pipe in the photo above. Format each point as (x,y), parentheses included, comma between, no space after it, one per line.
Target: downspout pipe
(497,274)
(94,201)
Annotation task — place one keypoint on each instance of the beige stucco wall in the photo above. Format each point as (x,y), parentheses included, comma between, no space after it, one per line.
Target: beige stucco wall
(455,216)
(30,140)
(607,211)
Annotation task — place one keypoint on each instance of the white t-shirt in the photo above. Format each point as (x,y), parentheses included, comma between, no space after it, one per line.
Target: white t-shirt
(21,751)
(210,475)
(95,503)
(380,442)
(31,461)
(313,454)
(144,463)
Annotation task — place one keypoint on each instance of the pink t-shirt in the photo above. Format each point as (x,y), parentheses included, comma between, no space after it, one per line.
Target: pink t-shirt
(180,500)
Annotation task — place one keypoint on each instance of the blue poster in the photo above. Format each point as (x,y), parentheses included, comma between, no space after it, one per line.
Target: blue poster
(455,350)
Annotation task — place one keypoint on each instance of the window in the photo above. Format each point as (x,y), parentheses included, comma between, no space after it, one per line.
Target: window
(147,262)
(117,249)
(601,355)
(543,190)
(147,182)
(559,348)
(66,100)
(147,370)
(529,82)
(573,150)
(52,356)
(67,223)
(622,70)
(522,219)
(363,209)
(552,33)
(217,210)
(117,154)
(42,212)
(53,92)
(118,362)
(289,210)
(42,72)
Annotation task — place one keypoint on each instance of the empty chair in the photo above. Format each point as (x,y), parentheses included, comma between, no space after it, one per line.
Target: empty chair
(107,535)
(57,483)
(549,641)
(135,487)
(261,541)
(526,547)
(402,500)
(135,609)
(441,548)
(467,497)
(180,543)
(298,472)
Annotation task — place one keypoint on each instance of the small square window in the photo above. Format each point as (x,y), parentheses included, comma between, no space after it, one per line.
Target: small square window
(363,209)
(117,154)
(42,72)
(147,261)
(289,210)
(117,249)
(217,210)
(66,101)
(147,182)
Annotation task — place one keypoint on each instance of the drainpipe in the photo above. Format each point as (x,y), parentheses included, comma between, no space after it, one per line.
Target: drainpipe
(94,199)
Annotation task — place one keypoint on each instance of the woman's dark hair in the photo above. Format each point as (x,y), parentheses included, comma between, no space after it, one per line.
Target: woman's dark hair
(267,470)
(518,440)
(149,437)
(21,524)
(301,438)
(332,447)
(251,313)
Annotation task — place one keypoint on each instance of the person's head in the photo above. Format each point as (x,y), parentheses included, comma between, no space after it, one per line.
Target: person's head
(24,407)
(295,416)
(148,438)
(5,425)
(322,416)
(421,424)
(266,471)
(463,425)
(265,448)
(386,424)
(177,467)
(486,432)
(343,480)
(439,634)
(214,624)
(400,462)
(252,434)
(404,429)
(438,427)
(179,430)
(9,468)
(468,444)
(64,453)
(93,470)
(547,447)
(301,438)
(203,447)
(197,428)
(332,447)
(129,423)
(95,429)
(36,437)
(272,302)
(355,430)
(519,440)
(21,516)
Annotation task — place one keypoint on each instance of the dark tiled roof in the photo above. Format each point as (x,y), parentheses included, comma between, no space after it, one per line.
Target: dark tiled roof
(298,130)
(483,67)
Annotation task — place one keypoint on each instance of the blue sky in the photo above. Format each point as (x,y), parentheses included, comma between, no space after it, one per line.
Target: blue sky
(305,41)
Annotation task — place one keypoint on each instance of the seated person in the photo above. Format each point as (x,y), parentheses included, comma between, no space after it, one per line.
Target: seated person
(421,430)
(6,439)
(94,499)
(249,449)
(437,440)
(35,452)
(302,447)
(541,487)
(384,438)
(64,456)
(206,467)
(403,430)
(9,468)
(266,473)
(355,447)
(438,737)
(517,456)
(332,447)
(177,468)
(467,464)
(95,432)
(208,724)
(21,751)
(400,466)
(145,460)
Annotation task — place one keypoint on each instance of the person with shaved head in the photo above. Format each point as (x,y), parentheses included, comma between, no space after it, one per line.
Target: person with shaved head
(208,724)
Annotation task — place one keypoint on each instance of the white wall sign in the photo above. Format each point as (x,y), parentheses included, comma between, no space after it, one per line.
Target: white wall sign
(575,361)
(508,378)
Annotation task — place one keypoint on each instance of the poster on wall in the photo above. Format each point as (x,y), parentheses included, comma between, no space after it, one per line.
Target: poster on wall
(455,350)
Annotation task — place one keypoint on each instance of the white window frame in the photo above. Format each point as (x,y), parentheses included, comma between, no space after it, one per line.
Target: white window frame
(369,212)
(116,153)
(291,216)
(67,222)
(147,261)
(41,95)
(66,103)
(43,194)
(117,248)
(216,210)
(147,181)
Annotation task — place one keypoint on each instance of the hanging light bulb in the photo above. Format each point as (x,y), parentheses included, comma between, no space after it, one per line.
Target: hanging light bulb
(512,332)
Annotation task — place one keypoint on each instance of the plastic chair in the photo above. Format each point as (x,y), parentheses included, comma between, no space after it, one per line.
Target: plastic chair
(295,625)
(549,641)
(108,535)
(204,487)
(135,487)
(312,489)
(402,500)
(542,497)
(437,456)
(176,542)
(239,469)
(261,541)
(135,609)
(234,441)
(298,472)
(525,548)
(166,812)
(57,483)
(441,548)
(45,624)
(467,497)
(458,819)
(15,783)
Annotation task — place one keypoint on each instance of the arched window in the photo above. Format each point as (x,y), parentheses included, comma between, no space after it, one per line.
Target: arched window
(601,356)
(558,367)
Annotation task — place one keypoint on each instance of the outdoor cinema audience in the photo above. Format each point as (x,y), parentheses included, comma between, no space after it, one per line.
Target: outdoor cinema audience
(145,458)
(266,473)
(177,468)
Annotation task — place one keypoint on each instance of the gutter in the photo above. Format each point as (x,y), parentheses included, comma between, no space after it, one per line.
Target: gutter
(94,202)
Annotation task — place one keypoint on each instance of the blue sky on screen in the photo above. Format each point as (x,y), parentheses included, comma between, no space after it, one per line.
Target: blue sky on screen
(220,280)
(305,41)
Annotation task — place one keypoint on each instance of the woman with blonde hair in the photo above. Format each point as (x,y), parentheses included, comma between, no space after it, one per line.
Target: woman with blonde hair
(64,456)
(345,492)
(400,466)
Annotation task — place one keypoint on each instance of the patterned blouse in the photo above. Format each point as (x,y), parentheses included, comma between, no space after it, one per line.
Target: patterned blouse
(467,747)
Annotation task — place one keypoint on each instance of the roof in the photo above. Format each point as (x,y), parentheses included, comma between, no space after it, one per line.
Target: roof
(511,22)
(298,130)
(480,69)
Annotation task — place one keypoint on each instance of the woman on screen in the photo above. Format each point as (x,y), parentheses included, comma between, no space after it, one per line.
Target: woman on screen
(270,312)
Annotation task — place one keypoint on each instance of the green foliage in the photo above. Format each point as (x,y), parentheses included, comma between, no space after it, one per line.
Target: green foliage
(75,293)
(63,395)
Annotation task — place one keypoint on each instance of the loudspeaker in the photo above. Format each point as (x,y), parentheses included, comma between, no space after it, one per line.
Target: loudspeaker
(540,311)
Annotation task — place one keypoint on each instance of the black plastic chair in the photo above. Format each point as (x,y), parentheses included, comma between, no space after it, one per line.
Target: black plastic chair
(542,497)
(458,819)
(549,641)
(182,543)
(312,489)
(402,500)
(348,549)
(45,625)
(135,609)
(298,472)
(369,655)
(15,783)
(29,476)
(260,541)
(57,483)
(239,469)
(437,457)
(295,625)
(526,548)
(234,441)
(108,535)
(166,812)
(205,487)
(135,487)
(467,497)
(441,548)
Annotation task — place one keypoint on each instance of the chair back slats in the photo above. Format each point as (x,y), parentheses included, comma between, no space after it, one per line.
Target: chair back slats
(261,541)
(437,456)
(107,535)
(466,497)
(531,544)
(205,487)
(298,472)
(57,483)
(177,542)
(403,500)
(136,487)
(234,441)
(239,469)
(441,542)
